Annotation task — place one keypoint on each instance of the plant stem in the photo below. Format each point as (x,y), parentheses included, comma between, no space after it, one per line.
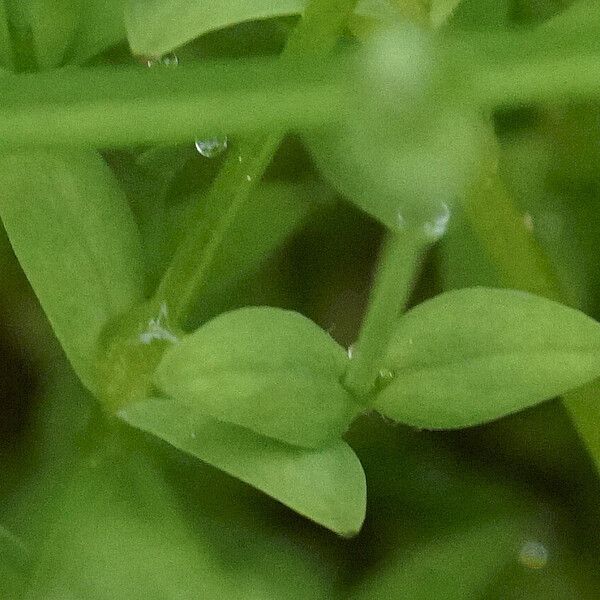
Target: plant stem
(523,265)
(399,259)
(136,106)
(501,229)
(558,79)
(315,36)
(190,266)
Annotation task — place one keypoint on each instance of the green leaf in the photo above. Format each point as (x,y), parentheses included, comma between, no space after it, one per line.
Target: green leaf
(409,148)
(155,27)
(325,485)
(7,58)
(53,24)
(410,180)
(474,355)
(272,371)
(74,235)
(102,25)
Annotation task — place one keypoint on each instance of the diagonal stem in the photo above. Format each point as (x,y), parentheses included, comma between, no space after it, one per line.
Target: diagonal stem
(316,35)
(400,257)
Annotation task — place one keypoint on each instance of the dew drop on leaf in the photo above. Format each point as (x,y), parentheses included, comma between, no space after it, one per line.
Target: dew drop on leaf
(211,147)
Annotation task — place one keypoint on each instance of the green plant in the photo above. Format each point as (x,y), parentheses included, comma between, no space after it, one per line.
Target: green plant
(145,262)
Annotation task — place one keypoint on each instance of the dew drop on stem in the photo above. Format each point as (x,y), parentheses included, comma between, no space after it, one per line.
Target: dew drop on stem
(209,147)
(432,228)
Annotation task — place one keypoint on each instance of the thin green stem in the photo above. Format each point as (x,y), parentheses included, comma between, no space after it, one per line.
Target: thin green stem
(190,266)
(557,78)
(136,106)
(499,224)
(316,35)
(399,259)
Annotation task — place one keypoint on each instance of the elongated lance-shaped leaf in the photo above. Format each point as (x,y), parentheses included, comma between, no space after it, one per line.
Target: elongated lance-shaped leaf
(474,355)
(155,27)
(325,485)
(101,25)
(75,237)
(53,24)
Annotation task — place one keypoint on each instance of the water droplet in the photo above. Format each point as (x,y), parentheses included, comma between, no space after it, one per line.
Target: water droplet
(157,329)
(528,221)
(168,60)
(240,158)
(385,376)
(433,229)
(351,351)
(437,227)
(212,147)
(248,178)
(533,555)
(401,221)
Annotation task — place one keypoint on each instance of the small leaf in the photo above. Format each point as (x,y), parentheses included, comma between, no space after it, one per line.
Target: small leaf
(6,50)
(325,485)
(474,355)
(101,25)
(155,27)
(53,24)
(74,235)
(404,155)
(269,370)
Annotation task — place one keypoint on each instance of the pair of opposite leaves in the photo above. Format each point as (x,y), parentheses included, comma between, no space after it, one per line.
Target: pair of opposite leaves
(463,358)
(257,392)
